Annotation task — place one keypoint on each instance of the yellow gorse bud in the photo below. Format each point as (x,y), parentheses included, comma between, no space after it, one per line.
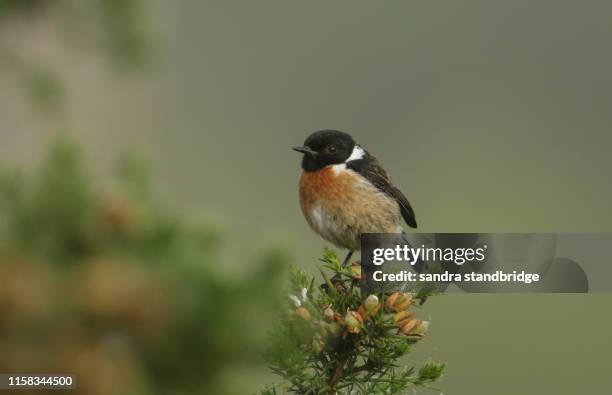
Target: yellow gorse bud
(370,307)
(408,326)
(353,321)
(371,303)
(402,317)
(421,328)
(328,314)
(398,301)
(303,313)
(414,327)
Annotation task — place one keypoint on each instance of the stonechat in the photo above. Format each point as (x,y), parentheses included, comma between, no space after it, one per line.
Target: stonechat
(344,191)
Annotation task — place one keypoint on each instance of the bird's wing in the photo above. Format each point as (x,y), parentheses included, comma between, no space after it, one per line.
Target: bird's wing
(371,170)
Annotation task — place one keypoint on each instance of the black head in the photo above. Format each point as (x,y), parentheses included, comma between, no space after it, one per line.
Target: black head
(325,147)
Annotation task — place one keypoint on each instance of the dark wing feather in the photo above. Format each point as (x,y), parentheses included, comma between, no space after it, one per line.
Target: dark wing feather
(370,169)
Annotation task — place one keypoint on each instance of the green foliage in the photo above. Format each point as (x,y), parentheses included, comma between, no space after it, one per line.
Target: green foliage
(337,339)
(118,290)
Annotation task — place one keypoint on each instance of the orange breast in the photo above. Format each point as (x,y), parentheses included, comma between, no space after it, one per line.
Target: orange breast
(324,187)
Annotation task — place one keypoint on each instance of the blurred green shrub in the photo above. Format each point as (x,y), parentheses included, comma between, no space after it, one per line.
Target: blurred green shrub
(111,287)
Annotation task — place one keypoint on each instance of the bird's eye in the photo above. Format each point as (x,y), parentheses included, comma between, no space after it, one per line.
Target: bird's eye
(331,149)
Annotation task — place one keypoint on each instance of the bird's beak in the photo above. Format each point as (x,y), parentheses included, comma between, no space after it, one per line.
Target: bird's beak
(304,150)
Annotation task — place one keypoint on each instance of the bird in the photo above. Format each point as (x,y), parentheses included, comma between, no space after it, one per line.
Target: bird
(344,191)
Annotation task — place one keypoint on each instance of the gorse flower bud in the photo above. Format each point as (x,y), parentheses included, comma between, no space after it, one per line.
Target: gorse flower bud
(371,303)
(303,313)
(295,300)
(389,302)
(328,314)
(370,307)
(414,328)
(353,321)
(304,294)
(398,301)
(408,326)
(421,328)
(402,317)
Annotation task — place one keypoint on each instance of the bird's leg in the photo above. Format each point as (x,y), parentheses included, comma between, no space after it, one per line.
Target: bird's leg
(348,257)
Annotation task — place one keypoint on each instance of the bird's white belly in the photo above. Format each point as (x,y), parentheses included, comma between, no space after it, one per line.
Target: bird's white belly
(333,228)
(324,223)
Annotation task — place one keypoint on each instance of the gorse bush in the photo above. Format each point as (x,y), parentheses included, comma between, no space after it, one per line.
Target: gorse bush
(340,339)
(112,287)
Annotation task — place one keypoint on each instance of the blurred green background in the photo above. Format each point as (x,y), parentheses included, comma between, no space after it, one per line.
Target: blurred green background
(492,116)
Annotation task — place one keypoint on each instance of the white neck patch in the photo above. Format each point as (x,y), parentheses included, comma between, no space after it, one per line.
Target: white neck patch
(358,153)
